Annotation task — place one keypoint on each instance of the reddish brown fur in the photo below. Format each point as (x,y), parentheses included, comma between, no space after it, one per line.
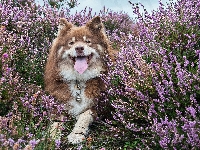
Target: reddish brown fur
(53,82)
(94,87)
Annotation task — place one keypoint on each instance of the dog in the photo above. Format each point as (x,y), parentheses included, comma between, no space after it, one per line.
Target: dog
(76,60)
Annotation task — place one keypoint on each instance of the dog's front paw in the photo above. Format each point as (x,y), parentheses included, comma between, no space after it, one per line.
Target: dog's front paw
(75,138)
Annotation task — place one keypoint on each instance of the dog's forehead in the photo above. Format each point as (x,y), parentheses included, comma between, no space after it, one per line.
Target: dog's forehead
(80,33)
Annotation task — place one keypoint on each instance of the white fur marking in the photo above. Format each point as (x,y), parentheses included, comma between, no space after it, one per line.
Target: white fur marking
(77,107)
(73,39)
(60,27)
(59,51)
(69,74)
(100,48)
(84,38)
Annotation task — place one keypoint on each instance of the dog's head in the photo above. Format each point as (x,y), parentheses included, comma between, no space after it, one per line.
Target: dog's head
(80,51)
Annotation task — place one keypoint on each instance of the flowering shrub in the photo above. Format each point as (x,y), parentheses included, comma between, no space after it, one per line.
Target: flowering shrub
(26,34)
(156,86)
(153,88)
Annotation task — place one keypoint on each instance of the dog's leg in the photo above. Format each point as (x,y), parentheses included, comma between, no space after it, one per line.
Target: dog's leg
(81,127)
(55,129)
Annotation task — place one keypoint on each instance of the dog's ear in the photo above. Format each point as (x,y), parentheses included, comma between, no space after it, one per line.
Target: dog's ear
(95,25)
(64,26)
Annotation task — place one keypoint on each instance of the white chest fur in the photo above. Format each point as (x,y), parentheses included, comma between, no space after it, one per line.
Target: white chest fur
(79,102)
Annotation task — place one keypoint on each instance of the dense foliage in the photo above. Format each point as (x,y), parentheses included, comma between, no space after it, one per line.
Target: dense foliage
(153,91)
(156,86)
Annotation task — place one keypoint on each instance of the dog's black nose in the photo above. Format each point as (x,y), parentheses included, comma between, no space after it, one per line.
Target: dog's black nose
(79,50)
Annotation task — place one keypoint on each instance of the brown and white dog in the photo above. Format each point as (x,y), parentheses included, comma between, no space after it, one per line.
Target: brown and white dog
(72,74)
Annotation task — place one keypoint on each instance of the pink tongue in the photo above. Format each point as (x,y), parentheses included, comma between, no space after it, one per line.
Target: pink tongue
(81,64)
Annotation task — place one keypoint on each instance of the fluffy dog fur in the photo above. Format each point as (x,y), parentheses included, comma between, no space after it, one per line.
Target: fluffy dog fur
(78,89)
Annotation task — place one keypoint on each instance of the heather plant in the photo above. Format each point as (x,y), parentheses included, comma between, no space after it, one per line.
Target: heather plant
(26,33)
(153,95)
(155,86)
(29,30)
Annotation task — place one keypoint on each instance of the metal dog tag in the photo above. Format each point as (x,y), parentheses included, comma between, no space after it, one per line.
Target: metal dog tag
(78,98)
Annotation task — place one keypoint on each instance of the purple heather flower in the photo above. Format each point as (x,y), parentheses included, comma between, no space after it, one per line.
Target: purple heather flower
(197,52)
(34,142)
(20,141)
(186,62)
(30,135)
(27,128)
(57,142)
(5,55)
(80,147)
(192,111)
(11,142)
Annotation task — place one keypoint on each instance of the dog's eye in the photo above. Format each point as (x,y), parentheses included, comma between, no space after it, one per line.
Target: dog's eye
(88,41)
(71,43)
